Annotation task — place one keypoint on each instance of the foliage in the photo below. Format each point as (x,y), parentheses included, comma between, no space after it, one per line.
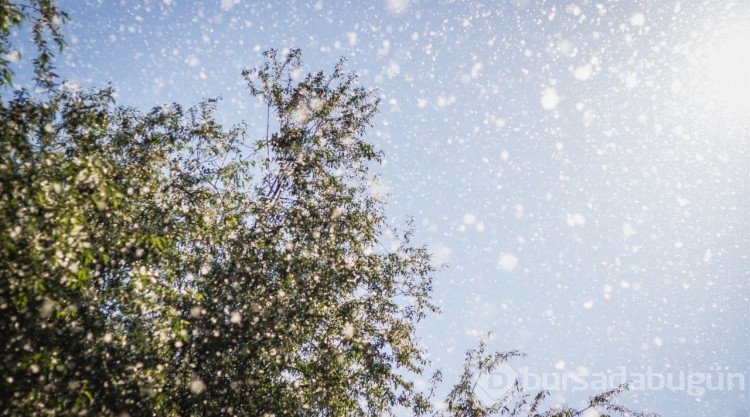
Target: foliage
(46,23)
(160,264)
(464,401)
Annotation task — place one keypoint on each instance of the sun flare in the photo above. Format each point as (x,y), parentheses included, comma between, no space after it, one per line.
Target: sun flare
(724,71)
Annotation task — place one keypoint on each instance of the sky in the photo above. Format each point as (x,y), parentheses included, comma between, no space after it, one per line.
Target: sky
(580,167)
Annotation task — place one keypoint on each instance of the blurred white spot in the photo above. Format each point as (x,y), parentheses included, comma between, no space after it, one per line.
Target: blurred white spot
(469,218)
(197,386)
(393,69)
(507,262)
(564,47)
(582,73)
(396,6)
(301,114)
(446,101)
(192,61)
(575,219)
(631,81)
(550,99)
(573,9)
(71,86)
(476,69)
(638,19)
(627,230)
(228,4)
(707,256)
(588,304)
(348,330)
(676,87)
(560,365)
(658,342)
(47,308)
(12,56)
(235,317)
(590,412)
(352,37)
(441,253)
(385,48)
(378,188)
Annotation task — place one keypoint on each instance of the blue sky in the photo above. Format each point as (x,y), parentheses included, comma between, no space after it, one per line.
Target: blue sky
(580,166)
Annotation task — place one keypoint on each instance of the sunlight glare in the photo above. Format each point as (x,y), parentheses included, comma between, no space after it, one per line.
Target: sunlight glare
(727,71)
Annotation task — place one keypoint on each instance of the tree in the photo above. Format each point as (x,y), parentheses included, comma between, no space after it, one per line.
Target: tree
(160,264)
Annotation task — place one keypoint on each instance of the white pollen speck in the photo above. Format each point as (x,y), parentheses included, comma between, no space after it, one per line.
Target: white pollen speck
(590,412)
(192,61)
(441,253)
(228,4)
(627,230)
(352,37)
(582,73)
(397,7)
(638,19)
(550,99)
(507,262)
(393,69)
(475,69)
(575,219)
(12,56)
(197,386)
(235,317)
(348,330)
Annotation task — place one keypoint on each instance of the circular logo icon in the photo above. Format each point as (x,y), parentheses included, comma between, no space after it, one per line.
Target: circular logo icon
(492,387)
